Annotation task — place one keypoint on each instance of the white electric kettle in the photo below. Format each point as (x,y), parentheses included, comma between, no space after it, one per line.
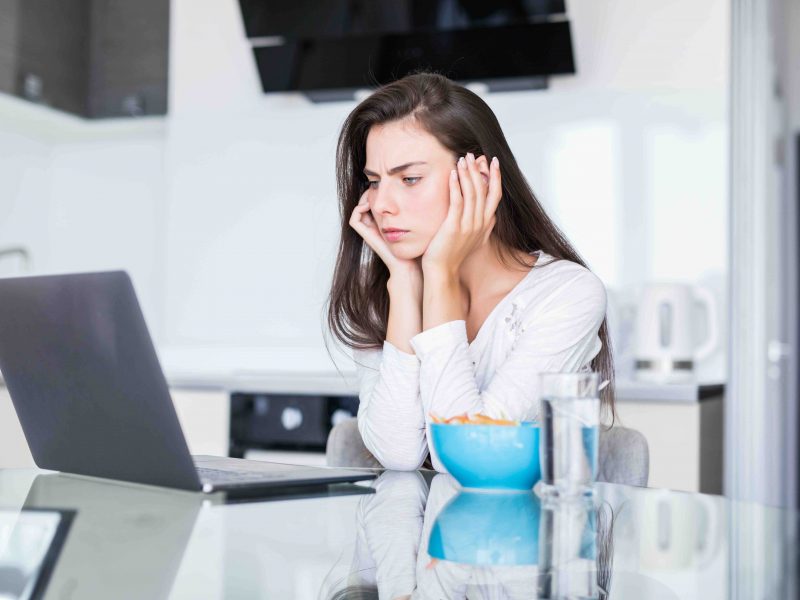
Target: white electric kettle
(665,347)
(679,531)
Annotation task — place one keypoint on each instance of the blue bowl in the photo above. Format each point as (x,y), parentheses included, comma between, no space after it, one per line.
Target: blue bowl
(497,457)
(488,529)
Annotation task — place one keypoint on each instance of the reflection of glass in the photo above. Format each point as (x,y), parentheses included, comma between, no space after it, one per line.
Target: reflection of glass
(569,565)
(570,415)
(30,540)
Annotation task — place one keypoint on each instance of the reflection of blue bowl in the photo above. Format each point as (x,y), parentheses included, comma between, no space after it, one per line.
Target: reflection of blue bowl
(488,529)
(504,457)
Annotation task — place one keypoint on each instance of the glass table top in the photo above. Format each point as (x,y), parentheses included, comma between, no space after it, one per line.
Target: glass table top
(403,535)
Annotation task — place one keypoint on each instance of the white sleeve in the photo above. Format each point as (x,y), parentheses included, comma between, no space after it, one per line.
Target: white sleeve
(391,523)
(560,335)
(438,579)
(390,417)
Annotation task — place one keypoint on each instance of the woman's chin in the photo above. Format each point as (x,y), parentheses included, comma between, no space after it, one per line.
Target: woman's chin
(406,252)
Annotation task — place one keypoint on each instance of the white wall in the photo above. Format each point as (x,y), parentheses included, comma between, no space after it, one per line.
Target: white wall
(82,196)
(227,213)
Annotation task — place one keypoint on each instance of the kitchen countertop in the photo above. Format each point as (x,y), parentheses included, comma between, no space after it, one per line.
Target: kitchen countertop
(329,382)
(332,383)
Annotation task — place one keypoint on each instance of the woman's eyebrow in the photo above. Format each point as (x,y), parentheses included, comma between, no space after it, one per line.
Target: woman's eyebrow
(396,169)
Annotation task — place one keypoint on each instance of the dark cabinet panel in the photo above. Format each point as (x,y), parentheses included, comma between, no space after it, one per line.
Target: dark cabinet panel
(94,58)
(9,10)
(129,57)
(53,53)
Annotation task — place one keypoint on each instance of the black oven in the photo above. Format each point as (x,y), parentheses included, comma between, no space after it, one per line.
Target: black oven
(267,421)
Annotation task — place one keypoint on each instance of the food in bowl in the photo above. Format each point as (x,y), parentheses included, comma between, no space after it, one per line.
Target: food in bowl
(475,419)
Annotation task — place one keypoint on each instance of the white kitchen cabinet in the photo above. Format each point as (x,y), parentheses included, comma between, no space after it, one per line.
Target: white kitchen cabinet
(205,419)
(684,438)
(14,451)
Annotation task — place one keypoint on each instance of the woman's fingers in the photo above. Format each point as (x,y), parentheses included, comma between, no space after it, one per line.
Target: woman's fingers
(495,191)
(468,193)
(356,217)
(361,220)
(480,191)
(456,199)
(488,230)
(363,201)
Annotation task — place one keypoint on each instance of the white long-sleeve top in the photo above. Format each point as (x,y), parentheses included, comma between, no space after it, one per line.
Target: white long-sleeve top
(389,526)
(548,322)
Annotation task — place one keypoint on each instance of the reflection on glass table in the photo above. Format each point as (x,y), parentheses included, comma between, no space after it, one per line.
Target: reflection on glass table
(441,542)
(30,541)
(411,535)
(125,538)
(422,536)
(505,545)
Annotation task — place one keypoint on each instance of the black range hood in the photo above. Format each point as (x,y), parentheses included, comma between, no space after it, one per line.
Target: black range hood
(327,50)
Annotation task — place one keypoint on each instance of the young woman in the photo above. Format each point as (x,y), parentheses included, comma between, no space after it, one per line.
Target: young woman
(452,286)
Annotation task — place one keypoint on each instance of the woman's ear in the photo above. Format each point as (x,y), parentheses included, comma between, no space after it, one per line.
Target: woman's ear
(483,167)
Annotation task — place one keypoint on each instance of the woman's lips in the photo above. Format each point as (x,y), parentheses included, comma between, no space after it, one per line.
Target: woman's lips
(395,236)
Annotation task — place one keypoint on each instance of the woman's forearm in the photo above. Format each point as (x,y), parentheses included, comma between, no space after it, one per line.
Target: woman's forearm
(405,310)
(441,300)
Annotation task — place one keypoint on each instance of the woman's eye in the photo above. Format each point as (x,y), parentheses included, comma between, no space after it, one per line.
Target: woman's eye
(409,180)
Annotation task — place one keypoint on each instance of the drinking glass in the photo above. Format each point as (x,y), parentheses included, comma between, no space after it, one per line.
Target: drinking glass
(570,418)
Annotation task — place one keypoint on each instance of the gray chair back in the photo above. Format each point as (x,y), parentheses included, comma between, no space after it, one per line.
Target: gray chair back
(345,448)
(623,455)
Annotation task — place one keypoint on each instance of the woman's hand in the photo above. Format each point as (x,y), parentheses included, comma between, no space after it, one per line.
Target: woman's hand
(361,220)
(470,219)
(404,284)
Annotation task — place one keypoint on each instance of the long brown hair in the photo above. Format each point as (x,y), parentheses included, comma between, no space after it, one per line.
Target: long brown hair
(358,304)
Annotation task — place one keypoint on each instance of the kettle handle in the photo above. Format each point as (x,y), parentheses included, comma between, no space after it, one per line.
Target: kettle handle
(713,530)
(707,298)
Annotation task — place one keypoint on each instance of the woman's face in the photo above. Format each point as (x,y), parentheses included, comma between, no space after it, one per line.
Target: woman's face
(408,172)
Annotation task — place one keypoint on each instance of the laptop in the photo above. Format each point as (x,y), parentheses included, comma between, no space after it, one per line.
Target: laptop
(92,399)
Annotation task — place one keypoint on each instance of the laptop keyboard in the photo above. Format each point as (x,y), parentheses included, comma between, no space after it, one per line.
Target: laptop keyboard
(220,476)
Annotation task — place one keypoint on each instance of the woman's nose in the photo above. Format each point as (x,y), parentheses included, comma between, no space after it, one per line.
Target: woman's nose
(382,201)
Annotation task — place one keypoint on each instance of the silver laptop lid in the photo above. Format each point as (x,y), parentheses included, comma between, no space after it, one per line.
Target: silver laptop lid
(85,380)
